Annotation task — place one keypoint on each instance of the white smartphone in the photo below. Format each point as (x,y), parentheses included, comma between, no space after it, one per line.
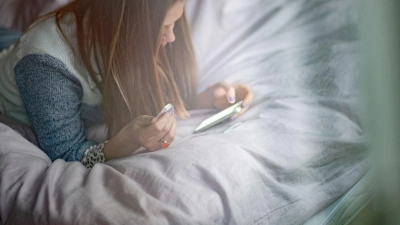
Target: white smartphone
(219,117)
(168,108)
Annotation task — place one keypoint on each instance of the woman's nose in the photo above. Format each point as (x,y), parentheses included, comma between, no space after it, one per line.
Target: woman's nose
(169,36)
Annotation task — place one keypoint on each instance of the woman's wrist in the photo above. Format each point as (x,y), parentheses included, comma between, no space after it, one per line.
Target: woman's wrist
(118,147)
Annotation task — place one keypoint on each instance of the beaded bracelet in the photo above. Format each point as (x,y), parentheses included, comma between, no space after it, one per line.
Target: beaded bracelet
(94,155)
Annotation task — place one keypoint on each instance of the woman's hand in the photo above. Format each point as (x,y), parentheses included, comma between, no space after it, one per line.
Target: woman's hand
(222,95)
(146,131)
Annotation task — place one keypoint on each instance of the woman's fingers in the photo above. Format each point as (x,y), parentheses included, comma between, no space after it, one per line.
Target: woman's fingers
(170,136)
(145,120)
(244,92)
(165,130)
(160,129)
(224,95)
(240,113)
(224,90)
(159,125)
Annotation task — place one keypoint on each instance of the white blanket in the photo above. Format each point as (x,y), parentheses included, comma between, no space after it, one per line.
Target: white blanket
(299,147)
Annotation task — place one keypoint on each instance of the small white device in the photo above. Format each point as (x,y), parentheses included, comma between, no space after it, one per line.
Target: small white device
(219,117)
(168,108)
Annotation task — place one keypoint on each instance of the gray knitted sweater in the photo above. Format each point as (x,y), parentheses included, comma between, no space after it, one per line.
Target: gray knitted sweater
(44,85)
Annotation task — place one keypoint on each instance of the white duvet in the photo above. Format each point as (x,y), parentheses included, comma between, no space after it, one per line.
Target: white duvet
(299,147)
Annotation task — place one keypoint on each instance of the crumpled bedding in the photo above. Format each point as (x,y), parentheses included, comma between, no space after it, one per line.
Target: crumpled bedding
(300,146)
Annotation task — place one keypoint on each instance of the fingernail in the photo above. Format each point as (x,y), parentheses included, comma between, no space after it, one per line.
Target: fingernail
(171,110)
(244,105)
(233,118)
(231,99)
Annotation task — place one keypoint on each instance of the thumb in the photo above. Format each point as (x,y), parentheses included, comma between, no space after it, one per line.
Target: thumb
(230,95)
(145,120)
(224,89)
(219,92)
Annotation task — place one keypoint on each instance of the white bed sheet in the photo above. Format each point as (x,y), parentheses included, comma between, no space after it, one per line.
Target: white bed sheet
(298,149)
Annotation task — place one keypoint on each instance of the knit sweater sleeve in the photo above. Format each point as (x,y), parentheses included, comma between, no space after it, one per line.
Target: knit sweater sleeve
(52,99)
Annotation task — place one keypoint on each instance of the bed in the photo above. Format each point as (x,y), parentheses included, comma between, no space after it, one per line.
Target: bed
(297,156)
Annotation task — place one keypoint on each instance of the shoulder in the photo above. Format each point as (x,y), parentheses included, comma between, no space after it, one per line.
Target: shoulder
(45,42)
(41,73)
(44,37)
(41,63)
(50,71)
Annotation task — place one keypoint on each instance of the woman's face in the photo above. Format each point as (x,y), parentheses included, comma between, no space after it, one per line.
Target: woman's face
(174,14)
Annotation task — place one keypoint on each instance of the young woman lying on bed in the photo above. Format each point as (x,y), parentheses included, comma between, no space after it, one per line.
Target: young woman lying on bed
(114,62)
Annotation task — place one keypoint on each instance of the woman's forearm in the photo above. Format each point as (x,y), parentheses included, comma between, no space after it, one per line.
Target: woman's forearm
(117,147)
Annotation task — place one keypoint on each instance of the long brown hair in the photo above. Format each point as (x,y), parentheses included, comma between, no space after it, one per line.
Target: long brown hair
(120,40)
